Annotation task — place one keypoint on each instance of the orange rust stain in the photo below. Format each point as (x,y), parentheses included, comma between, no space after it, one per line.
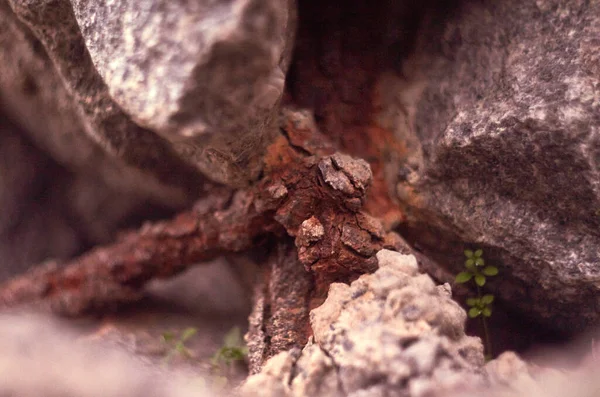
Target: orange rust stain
(374,144)
(279,154)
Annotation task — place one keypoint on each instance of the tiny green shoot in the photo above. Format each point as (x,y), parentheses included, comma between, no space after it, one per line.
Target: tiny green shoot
(232,350)
(177,345)
(479,306)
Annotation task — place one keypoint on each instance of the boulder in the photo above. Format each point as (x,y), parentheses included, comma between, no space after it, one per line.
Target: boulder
(100,107)
(508,150)
(60,191)
(165,85)
(186,69)
(96,115)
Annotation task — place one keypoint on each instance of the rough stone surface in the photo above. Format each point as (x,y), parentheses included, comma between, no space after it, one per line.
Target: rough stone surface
(509,143)
(345,173)
(54,25)
(207,76)
(61,192)
(392,333)
(311,231)
(70,76)
(187,68)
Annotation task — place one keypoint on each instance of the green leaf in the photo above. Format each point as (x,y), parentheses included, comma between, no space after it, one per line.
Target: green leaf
(490,270)
(479,262)
(478,253)
(188,333)
(480,280)
(469,263)
(486,312)
(233,338)
(468,253)
(474,312)
(168,336)
(463,277)
(487,299)
(237,354)
(472,301)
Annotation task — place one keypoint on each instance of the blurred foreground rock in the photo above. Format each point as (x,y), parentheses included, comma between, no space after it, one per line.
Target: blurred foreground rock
(390,333)
(41,357)
(123,353)
(408,344)
(394,333)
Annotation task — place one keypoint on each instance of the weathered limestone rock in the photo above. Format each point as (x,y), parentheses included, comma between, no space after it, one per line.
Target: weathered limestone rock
(390,333)
(34,96)
(508,158)
(205,75)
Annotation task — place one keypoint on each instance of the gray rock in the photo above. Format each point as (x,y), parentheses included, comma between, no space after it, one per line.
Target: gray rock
(207,77)
(507,152)
(34,96)
(370,344)
(187,68)
(53,24)
(84,82)
(60,191)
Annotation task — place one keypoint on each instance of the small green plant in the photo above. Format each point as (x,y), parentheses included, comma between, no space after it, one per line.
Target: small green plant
(479,306)
(232,350)
(177,345)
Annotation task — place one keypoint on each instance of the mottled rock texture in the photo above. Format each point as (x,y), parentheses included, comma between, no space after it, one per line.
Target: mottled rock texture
(204,75)
(509,134)
(186,68)
(103,102)
(60,191)
(212,72)
(390,333)
(54,25)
